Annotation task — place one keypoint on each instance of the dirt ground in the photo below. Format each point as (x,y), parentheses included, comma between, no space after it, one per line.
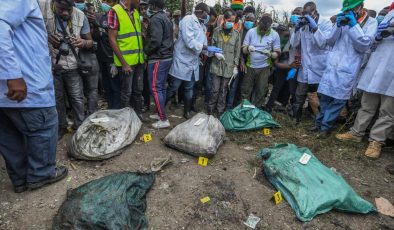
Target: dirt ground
(229,181)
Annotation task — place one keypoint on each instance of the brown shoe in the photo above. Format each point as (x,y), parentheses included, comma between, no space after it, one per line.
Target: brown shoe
(373,150)
(349,136)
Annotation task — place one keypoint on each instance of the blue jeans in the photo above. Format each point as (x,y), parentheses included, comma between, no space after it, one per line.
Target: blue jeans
(158,72)
(330,108)
(68,83)
(28,141)
(188,88)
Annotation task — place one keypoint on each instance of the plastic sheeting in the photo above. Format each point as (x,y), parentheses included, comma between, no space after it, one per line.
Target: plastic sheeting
(247,117)
(113,202)
(312,188)
(104,134)
(199,136)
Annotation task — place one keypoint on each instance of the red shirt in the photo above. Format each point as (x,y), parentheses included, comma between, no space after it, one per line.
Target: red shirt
(113,22)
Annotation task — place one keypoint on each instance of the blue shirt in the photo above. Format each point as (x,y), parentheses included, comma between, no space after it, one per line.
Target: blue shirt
(24,54)
(268,42)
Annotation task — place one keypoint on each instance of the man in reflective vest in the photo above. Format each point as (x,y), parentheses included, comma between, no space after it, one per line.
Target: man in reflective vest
(125,38)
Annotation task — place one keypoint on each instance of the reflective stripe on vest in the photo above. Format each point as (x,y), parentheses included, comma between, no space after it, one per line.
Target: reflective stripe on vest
(129,39)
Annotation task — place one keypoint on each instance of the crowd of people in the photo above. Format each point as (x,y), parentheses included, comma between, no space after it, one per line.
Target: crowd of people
(131,51)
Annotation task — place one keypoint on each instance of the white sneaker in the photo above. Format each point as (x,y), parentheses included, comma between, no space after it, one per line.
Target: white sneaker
(161,124)
(154,117)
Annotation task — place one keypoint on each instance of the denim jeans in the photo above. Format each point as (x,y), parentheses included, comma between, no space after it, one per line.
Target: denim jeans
(106,76)
(158,72)
(28,141)
(69,83)
(187,85)
(127,88)
(330,108)
(90,87)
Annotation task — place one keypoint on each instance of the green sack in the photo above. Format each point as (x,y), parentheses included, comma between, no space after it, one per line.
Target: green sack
(112,202)
(247,117)
(310,189)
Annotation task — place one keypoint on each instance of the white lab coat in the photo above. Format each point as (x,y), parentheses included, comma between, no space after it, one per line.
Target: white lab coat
(345,58)
(313,53)
(188,48)
(378,76)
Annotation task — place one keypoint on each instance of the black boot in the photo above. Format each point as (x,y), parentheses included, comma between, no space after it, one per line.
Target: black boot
(187,108)
(193,106)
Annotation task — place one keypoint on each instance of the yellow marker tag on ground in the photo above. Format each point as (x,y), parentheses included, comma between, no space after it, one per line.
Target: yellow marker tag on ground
(205,199)
(147,137)
(267,131)
(278,197)
(203,161)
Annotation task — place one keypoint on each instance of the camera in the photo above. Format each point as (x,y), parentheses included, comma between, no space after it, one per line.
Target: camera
(345,22)
(388,32)
(303,21)
(64,47)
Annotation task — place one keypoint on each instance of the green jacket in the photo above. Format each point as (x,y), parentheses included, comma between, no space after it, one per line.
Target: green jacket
(231,51)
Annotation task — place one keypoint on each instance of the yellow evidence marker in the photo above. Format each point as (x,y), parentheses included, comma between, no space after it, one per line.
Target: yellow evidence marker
(203,161)
(205,199)
(266,131)
(147,137)
(278,197)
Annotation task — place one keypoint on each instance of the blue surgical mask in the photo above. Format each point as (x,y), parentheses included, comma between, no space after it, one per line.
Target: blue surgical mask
(294,19)
(206,20)
(249,25)
(149,13)
(105,7)
(229,25)
(380,19)
(80,6)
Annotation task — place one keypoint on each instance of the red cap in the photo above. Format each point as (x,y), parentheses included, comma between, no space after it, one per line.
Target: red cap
(391,7)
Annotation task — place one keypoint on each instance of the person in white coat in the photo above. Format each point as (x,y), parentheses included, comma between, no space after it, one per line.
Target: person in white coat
(352,36)
(313,54)
(377,83)
(191,42)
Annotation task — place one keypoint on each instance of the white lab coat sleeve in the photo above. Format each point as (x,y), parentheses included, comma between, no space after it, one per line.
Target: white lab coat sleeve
(363,39)
(322,34)
(334,35)
(188,34)
(295,39)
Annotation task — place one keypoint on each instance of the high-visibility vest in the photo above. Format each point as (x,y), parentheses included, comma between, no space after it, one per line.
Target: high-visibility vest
(129,37)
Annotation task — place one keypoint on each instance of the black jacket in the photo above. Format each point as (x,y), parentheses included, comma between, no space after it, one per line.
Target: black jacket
(159,43)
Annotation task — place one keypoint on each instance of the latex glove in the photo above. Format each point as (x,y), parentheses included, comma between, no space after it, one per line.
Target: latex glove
(214,49)
(312,22)
(251,49)
(352,19)
(340,17)
(114,70)
(220,56)
(235,71)
(291,74)
(382,27)
(274,55)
